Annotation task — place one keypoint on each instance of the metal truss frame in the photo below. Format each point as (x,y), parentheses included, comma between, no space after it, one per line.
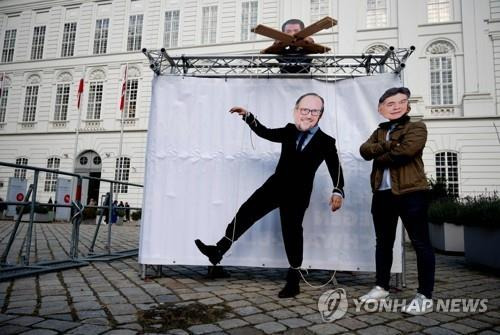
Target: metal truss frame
(331,67)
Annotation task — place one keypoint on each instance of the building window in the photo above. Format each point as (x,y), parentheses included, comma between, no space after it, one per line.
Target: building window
(95,100)
(37,43)
(9,43)
(171,38)
(4,94)
(134,32)
(51,178)
(101,36)
(376,13)
(62,102)
(30,101)
(441,72)
(19,172)
(248,19)
(438,11)
(378,49)
(447,171)
(208,24)
(68,41)
(319,9)
(122,173)
(131,98)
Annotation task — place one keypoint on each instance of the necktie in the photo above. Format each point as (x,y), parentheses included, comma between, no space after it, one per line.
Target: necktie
(302,138)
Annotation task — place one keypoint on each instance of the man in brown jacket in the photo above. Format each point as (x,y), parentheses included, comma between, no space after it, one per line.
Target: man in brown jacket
(399,190)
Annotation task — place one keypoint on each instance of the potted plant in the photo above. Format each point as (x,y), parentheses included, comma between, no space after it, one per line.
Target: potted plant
(120,213)
(3,208)
(89,215)
(41,213)
(445,234)
(136,215)
(480,217)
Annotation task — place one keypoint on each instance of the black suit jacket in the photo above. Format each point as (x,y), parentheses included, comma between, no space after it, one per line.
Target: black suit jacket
(296,169)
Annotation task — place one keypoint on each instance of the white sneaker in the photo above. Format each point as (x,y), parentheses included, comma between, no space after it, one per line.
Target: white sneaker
(376,294)
(419,305)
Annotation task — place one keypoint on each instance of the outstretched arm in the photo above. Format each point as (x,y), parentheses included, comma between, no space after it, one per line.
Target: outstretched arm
(273,135)
(335,170)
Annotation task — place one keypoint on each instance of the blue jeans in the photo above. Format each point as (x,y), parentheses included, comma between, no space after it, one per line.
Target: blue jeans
(412,208)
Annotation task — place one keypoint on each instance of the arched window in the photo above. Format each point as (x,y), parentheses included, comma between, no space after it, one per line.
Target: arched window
(130,106)
(62,96)
(19,172)
(441,72)
(4,94)
(447,171)
(378,49)
(96,88)
(122,173)
(51,178)
(31,98)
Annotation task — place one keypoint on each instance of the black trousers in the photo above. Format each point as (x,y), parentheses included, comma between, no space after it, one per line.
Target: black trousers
(412,208)
(266,198)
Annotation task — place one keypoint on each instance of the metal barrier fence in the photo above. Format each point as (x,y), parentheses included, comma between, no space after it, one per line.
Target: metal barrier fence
(75,259)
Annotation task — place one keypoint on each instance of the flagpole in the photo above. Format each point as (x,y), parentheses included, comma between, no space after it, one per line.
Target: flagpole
(79,119)
(123,102)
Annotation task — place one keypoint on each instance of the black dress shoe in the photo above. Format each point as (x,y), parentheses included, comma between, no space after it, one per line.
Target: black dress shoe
(211,251)
(289,291)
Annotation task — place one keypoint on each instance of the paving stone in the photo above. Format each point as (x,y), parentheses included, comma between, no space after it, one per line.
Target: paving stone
(245,331)
(258,318)
(87,305)
(210,301)
(57,325)
(5,317)
(327,329)
(166,298)
(423,320)
(12,329)
(270,306)
(121,309)
(439,331)
(282,314)
(22,303)
(90,314)
(350,323)
(372,319)
(88,329)
(25,320)
(378,330)
(459,328)
(39,332)
(271,327)
(204,329)
(474,323)
(302,310)
(177,332)
(239,303)
(63,317)
(96,321)
(121,332)
(405,326)
(314,318)
(232,323)
(297,331)
(488,332)
(21,310)
(248,310)
(125,318)
(295,322)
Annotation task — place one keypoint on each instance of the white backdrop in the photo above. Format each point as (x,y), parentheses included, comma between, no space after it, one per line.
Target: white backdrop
(203,162)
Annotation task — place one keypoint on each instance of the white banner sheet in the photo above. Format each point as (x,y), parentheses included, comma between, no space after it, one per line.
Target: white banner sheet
(203,162)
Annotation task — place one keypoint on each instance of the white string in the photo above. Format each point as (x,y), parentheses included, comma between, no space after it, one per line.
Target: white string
(332,278)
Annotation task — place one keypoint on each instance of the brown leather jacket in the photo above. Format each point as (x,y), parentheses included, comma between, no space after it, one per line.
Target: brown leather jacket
(402,154)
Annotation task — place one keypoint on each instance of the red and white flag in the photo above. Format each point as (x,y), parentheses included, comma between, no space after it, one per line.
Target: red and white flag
(124,89)
(80,91)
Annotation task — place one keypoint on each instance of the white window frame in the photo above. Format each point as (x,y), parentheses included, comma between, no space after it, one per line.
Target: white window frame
(61,105)
(209,22)
(378,16)
(435,11)
(445,169)
(4,96)
(171,28)
(249,18)
(9,45)
(30,103)
(317,9)
(134,36)
(19,172)
(131,94)
(68,39)
(38,41)
(51,178)
(94,102)
(122,173)
(101,35)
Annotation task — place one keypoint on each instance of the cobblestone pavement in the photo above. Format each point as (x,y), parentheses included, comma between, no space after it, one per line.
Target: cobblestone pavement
(104,298)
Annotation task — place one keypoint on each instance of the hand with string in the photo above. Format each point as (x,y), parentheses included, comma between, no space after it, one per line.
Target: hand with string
(240,110)
(335,202)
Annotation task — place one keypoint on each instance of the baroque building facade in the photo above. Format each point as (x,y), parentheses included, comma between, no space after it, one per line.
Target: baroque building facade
(49,119)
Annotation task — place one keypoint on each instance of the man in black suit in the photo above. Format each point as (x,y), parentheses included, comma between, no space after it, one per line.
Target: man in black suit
(303,148)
